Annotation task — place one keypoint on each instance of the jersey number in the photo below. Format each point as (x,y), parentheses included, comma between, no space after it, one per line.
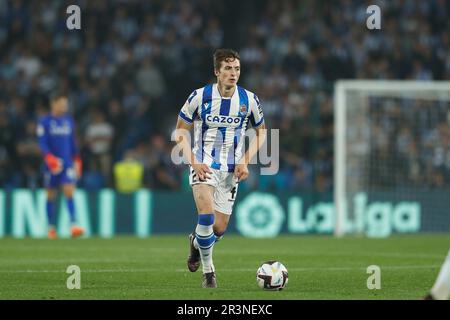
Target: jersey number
(233,193)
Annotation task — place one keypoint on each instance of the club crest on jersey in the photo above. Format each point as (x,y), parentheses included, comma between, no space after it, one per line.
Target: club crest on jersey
(222,121)
(243,109)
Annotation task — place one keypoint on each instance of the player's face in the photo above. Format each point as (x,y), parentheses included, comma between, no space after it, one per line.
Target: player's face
(59,106)
(229,72)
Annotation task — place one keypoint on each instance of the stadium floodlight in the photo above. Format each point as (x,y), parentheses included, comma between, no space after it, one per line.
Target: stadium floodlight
(385,144)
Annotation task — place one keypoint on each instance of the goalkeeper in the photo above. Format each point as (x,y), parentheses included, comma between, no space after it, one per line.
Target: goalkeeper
(63,164)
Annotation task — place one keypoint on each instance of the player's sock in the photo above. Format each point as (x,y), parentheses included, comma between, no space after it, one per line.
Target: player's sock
(218,237)
(51,213)
(71,207)
(441,288)
(205,240)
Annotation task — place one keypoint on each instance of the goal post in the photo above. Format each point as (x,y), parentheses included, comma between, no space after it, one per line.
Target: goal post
(376,121)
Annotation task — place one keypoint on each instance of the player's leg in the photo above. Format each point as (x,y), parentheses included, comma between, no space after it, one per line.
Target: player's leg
(51,183)
(204,234)
(68,181)
(441,288)
(50,207)
(68,190)
(194,259)
(224,198)
(220,224)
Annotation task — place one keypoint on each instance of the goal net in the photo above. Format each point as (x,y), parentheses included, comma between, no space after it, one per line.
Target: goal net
(392,157)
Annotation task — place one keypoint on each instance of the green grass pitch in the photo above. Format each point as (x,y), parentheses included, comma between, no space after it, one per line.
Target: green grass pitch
(320,267)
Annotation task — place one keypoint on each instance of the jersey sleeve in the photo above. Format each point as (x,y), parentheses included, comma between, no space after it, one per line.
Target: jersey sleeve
(256,114)
(42,135)
(190,108)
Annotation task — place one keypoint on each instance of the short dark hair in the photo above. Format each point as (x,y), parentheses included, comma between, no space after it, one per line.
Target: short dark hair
(57,95)
(224,55)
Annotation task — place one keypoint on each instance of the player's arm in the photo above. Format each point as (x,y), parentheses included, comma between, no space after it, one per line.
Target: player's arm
(53,163)
(255,144)
(183,139)
(183,129)
(257,120)
(241,171)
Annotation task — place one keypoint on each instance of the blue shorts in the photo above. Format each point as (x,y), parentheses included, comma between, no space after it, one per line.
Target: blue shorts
(66,176)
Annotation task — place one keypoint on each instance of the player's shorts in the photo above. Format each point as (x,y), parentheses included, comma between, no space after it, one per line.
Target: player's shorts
(66,176)
(226,187)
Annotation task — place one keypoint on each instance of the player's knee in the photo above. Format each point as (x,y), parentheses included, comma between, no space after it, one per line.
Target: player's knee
(51,194)
(203,204)
(205,208)
(68,194)
(68,191)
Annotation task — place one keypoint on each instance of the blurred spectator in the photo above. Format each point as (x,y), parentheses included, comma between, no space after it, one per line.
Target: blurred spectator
(149,79)
(28,148)
(99,135)
(128,173)
(138,67)
(27,63)
(93,179)
(161,171)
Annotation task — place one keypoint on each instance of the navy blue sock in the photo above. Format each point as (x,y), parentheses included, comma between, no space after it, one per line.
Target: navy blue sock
(50,212)
(71,207)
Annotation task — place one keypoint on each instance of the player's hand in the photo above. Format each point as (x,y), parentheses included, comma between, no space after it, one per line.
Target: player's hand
(55,164)
(78,164)
(241,172)
(202,171)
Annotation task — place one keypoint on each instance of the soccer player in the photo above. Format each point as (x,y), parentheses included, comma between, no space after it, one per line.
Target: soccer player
(62,161)
(219,113)
(441,288)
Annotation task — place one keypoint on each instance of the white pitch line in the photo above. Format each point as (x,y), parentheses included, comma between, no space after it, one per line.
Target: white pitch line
(390,254)
(226,269)
(72,261)
(257,252)
(90,249)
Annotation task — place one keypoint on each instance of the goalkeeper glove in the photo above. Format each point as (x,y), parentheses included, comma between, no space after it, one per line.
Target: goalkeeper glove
(53,163)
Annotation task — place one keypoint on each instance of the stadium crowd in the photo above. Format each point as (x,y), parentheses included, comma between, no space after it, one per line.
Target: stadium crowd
(131,66)
(412,136)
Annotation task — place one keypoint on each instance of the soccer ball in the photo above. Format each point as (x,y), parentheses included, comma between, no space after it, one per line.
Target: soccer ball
(272,275)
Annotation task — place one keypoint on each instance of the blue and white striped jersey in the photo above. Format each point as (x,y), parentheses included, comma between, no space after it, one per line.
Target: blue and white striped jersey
(220,124)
